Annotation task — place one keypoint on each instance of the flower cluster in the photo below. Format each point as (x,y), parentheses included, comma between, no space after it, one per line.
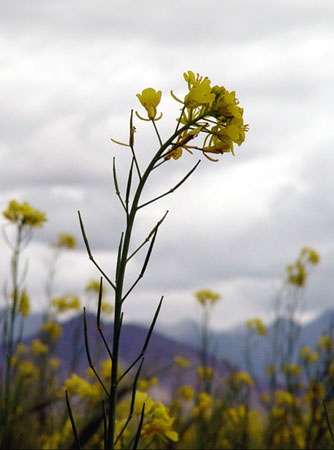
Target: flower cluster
(256,325)
(24,214)
(212,111)
(207,297)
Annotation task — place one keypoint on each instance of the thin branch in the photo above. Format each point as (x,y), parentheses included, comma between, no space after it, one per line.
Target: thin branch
(116,183)
(147,340)
(157,133)
(139,428)
(134,388)
(90,253)
(76,437)
(173,188)
(148,255)
(148,237)
(327,420)
(131,143)
(98,324)
(128,186)
(88,354)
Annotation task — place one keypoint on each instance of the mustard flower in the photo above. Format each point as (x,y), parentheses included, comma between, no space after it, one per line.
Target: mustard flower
(65,240)
(181,362)
(159,424)
(200,91)
(204,403)
(52,329)
(205,373)
(292,369)
(257,325)
(94,287)
(207,297)
(186,392)
(27,370)
(308,355)
(325,343)
(244,378)
(283,398)
(24,303)
(24,214)
(66,303)
(311,255)
(150,99)
(38,348)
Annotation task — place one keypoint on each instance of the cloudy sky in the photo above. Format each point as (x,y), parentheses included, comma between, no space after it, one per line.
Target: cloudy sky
(69,73)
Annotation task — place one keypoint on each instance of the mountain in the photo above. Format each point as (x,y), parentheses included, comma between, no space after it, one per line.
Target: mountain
(234,345)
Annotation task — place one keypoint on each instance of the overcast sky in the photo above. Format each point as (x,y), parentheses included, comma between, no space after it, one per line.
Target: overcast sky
(69,74)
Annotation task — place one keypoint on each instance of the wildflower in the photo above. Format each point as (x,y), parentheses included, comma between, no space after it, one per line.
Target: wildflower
(27,370)
(76,385)
(38,348)
(186,392)
(257,325)
(207,297)
(24,214)
(311,254)
(65,240)
(94,287)
(21,349)
(182,363)
(200,91)
(204,403)
(66,303)
(308,355)
(325,343)
(159,424)
(292,369)
(205,373)
(52,329)
(283,398)
(54,363)
(297,274)
(24,303)
(150,99)
(244,378)
(315,391)
(141,398)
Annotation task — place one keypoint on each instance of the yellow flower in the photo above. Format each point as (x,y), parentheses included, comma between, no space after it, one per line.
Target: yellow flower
(24,303)
(308,355)
(200,91)
(186,392)
(159,424)
(65,240)
(140,399)
(205,373)
(66,303)
(292,369)
(311,254)
(207,297)
(244,378)
(76,385)
(283,398)
(204,403)
(150,99)
(52,329)
(38,348)
(24,214)
(94,286)
(257,325)
(182,363)
(325,343)
(27,370)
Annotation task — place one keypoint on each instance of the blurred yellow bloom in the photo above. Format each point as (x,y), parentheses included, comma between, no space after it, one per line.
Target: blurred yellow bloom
(52,329)
(283,398)
(66,303)
(257,325)
(94,286)
(292,369)
(141,398)
(21,349)
(54,363)
(244,378)
(325,343)
(65,240)
(24,303)
(207,297)
(311,255)
(38,348)
(186,392)
(308,355)
(181,362)
(150,99)
(204,401)
(205,373)
(24,214)
(27,370)
(76,385)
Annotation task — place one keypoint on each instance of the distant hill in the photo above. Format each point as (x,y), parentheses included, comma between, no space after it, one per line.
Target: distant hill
(232,345)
